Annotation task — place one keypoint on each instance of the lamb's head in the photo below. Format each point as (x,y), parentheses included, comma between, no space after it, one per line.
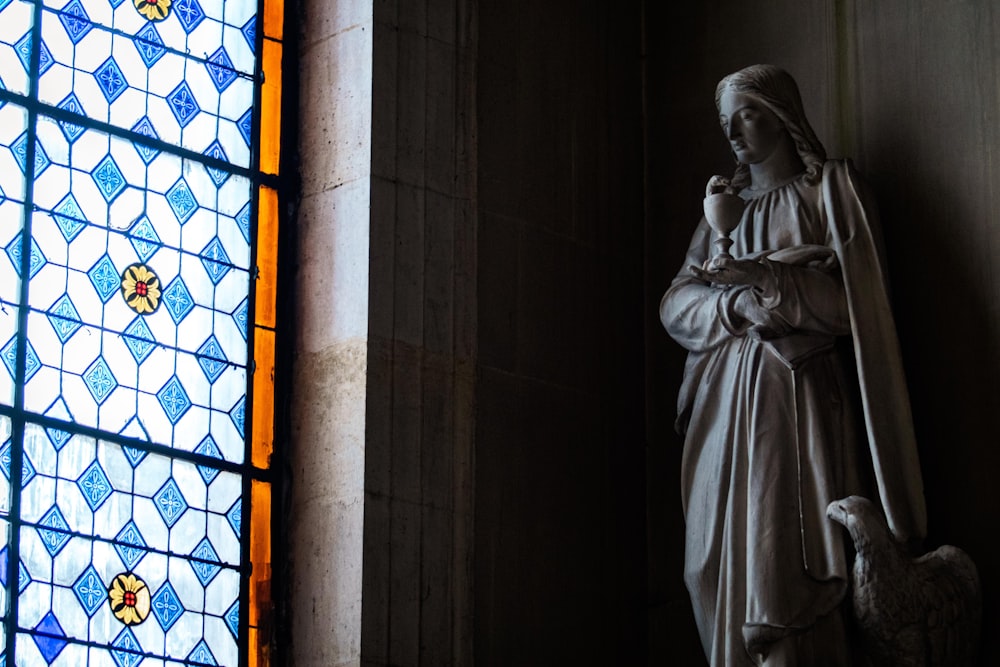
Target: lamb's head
(862,519)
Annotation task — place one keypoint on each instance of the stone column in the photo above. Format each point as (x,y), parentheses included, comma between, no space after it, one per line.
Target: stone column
(327,451)
(381,458)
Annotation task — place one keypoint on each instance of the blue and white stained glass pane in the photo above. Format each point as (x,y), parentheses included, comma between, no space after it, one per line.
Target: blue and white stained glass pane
(13,144)
(5,444)
(188,77)
(15,44)
(13,156)
(179,365)
(7,452)
(5,586)
(9,352)
(164,521)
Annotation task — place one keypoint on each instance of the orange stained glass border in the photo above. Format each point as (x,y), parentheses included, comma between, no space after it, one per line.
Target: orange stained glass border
(266,283)
(261,616)
(263,398)
(274,19)
(265,319)
(269,142)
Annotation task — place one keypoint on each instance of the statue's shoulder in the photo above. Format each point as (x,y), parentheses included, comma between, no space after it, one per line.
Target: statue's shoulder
(840,168)
(841,176)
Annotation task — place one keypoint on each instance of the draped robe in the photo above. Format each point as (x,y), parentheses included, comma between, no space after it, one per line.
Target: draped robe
(784,417)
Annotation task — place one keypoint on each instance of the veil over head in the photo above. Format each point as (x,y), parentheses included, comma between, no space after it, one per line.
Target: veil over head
(775,88)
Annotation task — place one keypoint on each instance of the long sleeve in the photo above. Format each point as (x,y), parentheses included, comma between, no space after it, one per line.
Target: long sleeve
(695,314)
(809,299)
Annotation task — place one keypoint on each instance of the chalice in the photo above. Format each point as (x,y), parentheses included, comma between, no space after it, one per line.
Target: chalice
(723,211)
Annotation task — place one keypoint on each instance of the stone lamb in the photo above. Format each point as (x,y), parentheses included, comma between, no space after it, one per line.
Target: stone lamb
(912,612)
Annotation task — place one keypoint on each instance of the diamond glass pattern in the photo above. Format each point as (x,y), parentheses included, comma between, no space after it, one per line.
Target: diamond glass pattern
(167,608)
(178,299)
(174,399)
(238,414)
(202,655)
(104,277)
(76,21)
(220,68)
(152,70)
(240,317)
(208,448)
(94,485)
(191,595)
(134,456)
(20,149)
(128,651)
(234,516)
(90,590)
(72,104)
(64,318)
(206,565)
(69,218)
(245,125)
(193,301)
(27,470)
(49,646)
(99,380)
(144,239)
(23,48)
(249,31)
(90,510)
(110,80)
(212,359)
(108,178)
(53,531)
(149,44)
(57,437)
(181,201)
(23,578)
(183,104)
(189,13)
(15,20)
(36,262)
(9,355)
(243,220)
(218,176)
(233,618)
(170,503)
(139,339)
(146,129)
(130,545)
(215,260)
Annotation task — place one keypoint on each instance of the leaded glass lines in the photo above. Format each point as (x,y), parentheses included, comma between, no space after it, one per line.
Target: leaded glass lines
(128,194)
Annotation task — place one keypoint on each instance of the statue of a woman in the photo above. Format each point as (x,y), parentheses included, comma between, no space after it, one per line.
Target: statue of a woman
(793,392)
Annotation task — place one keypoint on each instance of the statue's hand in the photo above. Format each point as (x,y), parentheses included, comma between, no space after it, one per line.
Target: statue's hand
(747,307)
(737,272)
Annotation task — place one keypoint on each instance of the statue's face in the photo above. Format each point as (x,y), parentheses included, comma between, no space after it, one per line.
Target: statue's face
(753,131)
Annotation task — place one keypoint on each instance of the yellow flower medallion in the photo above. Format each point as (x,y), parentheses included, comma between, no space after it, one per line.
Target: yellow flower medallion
(129,599)
(154,10)
(141,288)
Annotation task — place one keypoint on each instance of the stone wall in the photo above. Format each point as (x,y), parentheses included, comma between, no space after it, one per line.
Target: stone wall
(560,517)
(422,337)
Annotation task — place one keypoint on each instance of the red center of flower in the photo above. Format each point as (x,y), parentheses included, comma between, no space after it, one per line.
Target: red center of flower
(141,289)
(130,598)
(151,2)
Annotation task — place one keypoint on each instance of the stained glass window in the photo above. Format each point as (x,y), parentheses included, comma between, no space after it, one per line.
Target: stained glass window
(138,236)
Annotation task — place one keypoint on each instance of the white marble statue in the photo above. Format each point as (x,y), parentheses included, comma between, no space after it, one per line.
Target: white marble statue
(793,393)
